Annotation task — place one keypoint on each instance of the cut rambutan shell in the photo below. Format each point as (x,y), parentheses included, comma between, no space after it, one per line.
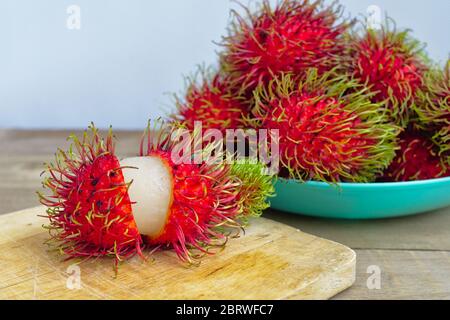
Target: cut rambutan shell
(204,206)
(392,64)
(102,206)
(433,108)
(329,130)
(417,159)
(88,207)
(293,36)
(211,100)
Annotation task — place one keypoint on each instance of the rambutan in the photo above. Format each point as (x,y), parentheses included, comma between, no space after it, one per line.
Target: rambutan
(292,37)
(100,205)
(204,206)
(211,101)
(256,185)
(417,159)
(328,128)
(433,108)
(391,63)
(89,209)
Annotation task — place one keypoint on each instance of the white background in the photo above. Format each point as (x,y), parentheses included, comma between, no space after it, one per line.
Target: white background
(129,55)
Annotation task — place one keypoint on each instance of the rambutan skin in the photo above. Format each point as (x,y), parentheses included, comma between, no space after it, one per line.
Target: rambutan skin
(212,101)
(293,36)
(205,207)
(88,206)
(256,186)
(329,130)
(417,159)
(91,213)
(391,63)
(432,107)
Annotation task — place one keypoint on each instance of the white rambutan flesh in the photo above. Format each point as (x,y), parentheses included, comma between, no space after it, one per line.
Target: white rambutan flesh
(150,192)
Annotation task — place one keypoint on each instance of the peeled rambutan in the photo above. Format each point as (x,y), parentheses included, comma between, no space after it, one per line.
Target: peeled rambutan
(204,205)
(392,64)
(211,101)
(328,128)
(433,108)
(100,205)
(293,36)
(417,159)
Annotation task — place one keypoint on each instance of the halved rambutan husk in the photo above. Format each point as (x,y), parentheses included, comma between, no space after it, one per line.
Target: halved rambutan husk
(211,198)
(88,205)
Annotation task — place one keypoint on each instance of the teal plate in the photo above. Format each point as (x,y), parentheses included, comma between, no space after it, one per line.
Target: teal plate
(361,200)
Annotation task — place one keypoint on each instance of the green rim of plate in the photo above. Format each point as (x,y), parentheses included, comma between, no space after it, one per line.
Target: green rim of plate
(361,200)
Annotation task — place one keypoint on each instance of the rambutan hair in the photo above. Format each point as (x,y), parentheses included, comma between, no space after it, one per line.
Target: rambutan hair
(389,62)
(204,209)
(91,213)
(211,100)
(433,108)
(329,130)
(212,199)
(256,186)
(88,206)
(417,159)
(291,37)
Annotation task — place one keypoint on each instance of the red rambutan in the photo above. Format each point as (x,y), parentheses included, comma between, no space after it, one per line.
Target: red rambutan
(417,159)
(211,101)
(328,128)
(89,209)
(391,64)
(293,36)
(100,205)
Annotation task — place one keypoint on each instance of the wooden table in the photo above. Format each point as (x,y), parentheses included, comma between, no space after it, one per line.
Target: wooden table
(412,254)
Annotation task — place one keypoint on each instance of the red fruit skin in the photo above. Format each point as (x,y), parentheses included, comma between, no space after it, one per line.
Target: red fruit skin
(213,103)
(389,64)
(204,206)
(89,209)
(100,187)
(319,138)
(417,159)
(291,38)
(329,130)
(432,108)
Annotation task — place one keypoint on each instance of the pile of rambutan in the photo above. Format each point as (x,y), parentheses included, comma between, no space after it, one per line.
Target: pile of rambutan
(351,102)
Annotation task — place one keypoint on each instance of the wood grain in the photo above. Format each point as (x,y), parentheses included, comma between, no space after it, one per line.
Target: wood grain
(271,261)
(401,247)
(405,275)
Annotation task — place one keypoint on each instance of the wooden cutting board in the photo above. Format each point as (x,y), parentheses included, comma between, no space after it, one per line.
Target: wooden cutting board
(271,261)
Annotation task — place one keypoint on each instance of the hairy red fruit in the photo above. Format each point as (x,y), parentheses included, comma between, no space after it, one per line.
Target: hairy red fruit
(89,208)
(292,37)
(433,108)
(213,103)
(390,64)
(417,159)
(325,134)
(205,205)
(169,201)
